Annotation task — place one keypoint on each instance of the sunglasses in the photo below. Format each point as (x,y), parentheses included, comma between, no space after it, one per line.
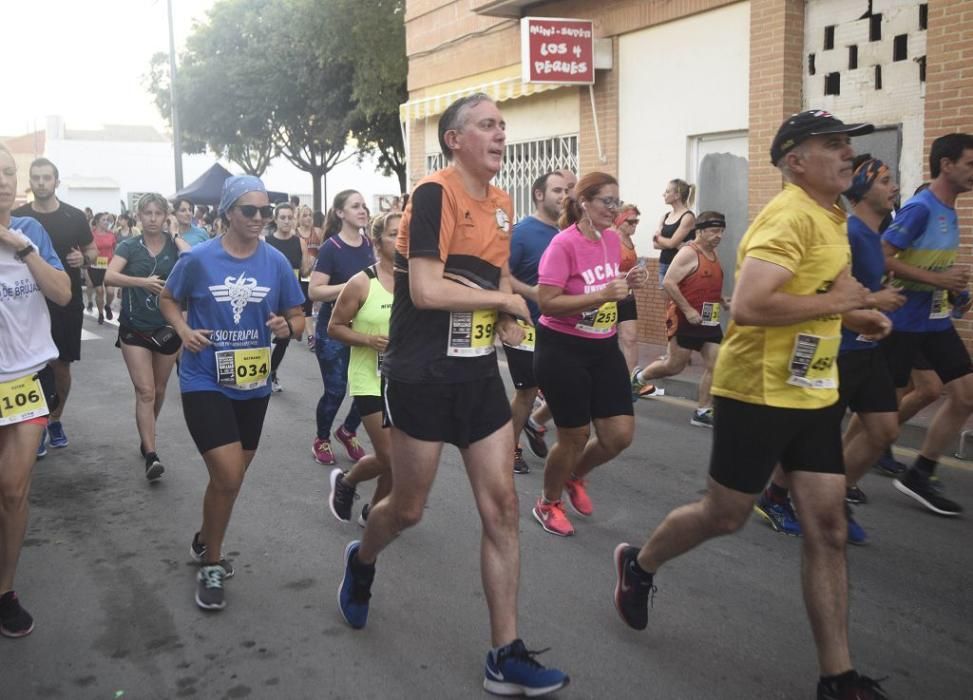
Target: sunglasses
(251,210)
(632,222)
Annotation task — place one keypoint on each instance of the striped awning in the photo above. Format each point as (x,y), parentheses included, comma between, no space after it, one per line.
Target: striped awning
(509,88)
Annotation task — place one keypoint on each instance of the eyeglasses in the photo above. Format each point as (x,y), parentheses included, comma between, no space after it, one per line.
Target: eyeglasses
(609,202)
(251,210)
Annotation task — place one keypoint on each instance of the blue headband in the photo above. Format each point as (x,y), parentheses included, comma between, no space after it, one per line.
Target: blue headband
(235,187)
(866,174)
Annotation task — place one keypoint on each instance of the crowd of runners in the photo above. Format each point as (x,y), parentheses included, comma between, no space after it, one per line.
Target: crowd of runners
(831,312)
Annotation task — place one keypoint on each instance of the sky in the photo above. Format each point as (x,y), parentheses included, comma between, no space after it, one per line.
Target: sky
(86,60)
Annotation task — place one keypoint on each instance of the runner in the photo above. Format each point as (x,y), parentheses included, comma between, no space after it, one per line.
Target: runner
(921,247)
(626,221)
(182,209)
(239,292)
(443,384)
(105,242)
(29,264)
(311,239)
(530,239)
(344,253)
(71,236)
(360,319)
(577,361)
(293,248)
(676,226)
(694,284)
(775,385)
(149,345)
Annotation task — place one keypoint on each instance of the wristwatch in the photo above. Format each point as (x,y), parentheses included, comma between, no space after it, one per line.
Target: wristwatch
(22,254)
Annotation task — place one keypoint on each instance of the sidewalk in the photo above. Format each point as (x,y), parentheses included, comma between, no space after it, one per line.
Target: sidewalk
(686,385)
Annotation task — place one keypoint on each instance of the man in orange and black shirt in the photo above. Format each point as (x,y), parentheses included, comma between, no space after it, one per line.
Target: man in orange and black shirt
(452,297)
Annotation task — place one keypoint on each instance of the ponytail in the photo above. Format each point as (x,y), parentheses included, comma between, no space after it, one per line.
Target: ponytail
(333,222)
(687,192)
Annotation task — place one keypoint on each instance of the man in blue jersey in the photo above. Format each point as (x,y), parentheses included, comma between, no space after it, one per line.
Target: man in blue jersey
(921,248)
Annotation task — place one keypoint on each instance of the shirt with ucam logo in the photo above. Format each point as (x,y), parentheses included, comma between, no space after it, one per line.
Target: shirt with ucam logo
(233,298)
(578,265)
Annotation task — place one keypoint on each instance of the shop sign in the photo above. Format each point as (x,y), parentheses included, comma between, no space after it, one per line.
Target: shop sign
(557,50)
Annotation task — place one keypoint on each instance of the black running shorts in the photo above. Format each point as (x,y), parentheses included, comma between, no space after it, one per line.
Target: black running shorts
(66,331)
(460,414)
(521,366)
(694,342)
(367,405)
(864,382)
(582,378)
(942,350)
(215,420)
(97,276)
(627,309)
(750,439)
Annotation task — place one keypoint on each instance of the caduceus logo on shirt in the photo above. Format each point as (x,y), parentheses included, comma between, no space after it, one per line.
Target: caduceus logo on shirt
(239,291)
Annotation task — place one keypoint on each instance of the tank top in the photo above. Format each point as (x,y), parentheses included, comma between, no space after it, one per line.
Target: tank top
(703,286)
(629,258)
(365,364)
(668,230)
(291,249)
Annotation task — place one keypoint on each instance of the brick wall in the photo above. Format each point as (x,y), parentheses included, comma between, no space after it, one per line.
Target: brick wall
(949,97)
(652,308)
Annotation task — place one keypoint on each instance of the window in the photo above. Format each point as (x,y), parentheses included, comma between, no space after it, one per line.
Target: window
(900,47)
(832,84)
(924,16)
(875,27)
(878,77)
(829,37)
(853,57)
(810,64)
(922,68)
(522,164)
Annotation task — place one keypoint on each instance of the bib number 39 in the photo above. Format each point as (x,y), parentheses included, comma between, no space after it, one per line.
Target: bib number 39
(245,370)
(471,333)
(22,399)
(813,362)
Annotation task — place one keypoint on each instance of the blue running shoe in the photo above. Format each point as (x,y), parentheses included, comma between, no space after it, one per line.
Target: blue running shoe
(355,589)
(856,533)
(42,448)
(780,516)
(513,670)
(58,438)
(888,465)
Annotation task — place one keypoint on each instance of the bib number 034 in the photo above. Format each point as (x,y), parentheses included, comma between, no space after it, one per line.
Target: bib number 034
(243,369)
(22,399)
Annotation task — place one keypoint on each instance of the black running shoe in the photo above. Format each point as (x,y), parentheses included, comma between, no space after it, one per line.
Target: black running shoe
(197,550)
(520,466)
(209,587)
(108,313)
(363,518)
(535,440)
(927,491)
(342,496)
(857,687)
(855,496)
(632,591)
(14,620)
(153,467)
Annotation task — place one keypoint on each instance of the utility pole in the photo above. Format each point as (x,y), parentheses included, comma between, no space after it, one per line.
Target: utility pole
(176,135)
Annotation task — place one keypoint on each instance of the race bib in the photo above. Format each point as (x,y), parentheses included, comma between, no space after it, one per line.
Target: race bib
(101,263)
(22,399)
(940,306)
(601,320)
(710,314)
(812,363)
(246,369)
(530,337)
(471,333)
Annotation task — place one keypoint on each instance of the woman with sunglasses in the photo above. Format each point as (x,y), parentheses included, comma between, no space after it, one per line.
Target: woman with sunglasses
(27,263)
(344,253)
(577,361)
(626,221)
(239,292)
(149,346)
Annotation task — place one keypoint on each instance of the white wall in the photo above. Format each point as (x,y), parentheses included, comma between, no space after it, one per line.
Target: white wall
(99,199)
(677,81)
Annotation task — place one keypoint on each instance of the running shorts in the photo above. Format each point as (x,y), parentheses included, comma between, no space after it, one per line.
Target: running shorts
(521,366)
(582,378)
(308,305)
(97,276)
(943,350)
(66,331)
(865,383)
(627,309)
(367,405)
(750,439)
(692,342)
(144,339)
(215,420)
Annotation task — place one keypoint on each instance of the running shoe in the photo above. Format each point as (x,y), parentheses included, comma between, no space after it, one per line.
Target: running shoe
(578,496)
(633,591)
(275,386)
(101,318)
(108,312)
(702,417)
(350,441)
(856,533)
(363,518)
(14,620)
(342,496)
(857,687)
(153,467)
(56,431)
(520,466)
(197,550)
(514,670)
(42,447)
(91,306)
(552,518)
(780,516)
(648,391)
(535,439)
(888,465)
(321,449)
(636,383)
(855,496)
(927,491)
(355,589)
(209,587)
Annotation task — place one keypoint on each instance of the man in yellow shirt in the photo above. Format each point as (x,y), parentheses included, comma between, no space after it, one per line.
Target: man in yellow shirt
(775,386)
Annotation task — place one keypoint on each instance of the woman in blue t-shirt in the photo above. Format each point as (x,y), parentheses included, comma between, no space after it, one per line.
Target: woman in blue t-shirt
(238,292)
(344,253)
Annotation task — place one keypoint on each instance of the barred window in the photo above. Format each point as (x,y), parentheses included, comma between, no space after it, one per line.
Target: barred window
(523,163)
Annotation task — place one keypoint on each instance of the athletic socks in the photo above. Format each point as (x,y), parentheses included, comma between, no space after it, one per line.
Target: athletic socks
(925,465)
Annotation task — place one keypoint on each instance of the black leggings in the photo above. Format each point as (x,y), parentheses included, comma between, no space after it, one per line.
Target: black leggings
(277,356)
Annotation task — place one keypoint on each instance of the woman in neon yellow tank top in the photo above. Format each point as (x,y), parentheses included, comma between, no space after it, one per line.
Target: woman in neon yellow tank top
(360,319)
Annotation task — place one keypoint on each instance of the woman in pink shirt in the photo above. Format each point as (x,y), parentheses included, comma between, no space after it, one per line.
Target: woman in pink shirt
(577,361)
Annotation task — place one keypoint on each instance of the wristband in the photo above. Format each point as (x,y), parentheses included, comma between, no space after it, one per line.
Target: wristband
(22,254)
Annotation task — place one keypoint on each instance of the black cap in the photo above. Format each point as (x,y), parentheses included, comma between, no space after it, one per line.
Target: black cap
(813,122)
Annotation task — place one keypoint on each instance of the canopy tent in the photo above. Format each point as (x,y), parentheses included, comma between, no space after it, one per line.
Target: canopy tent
(207,188)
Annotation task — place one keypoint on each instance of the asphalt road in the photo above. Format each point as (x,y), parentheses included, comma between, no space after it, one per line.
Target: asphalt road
(107,575)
